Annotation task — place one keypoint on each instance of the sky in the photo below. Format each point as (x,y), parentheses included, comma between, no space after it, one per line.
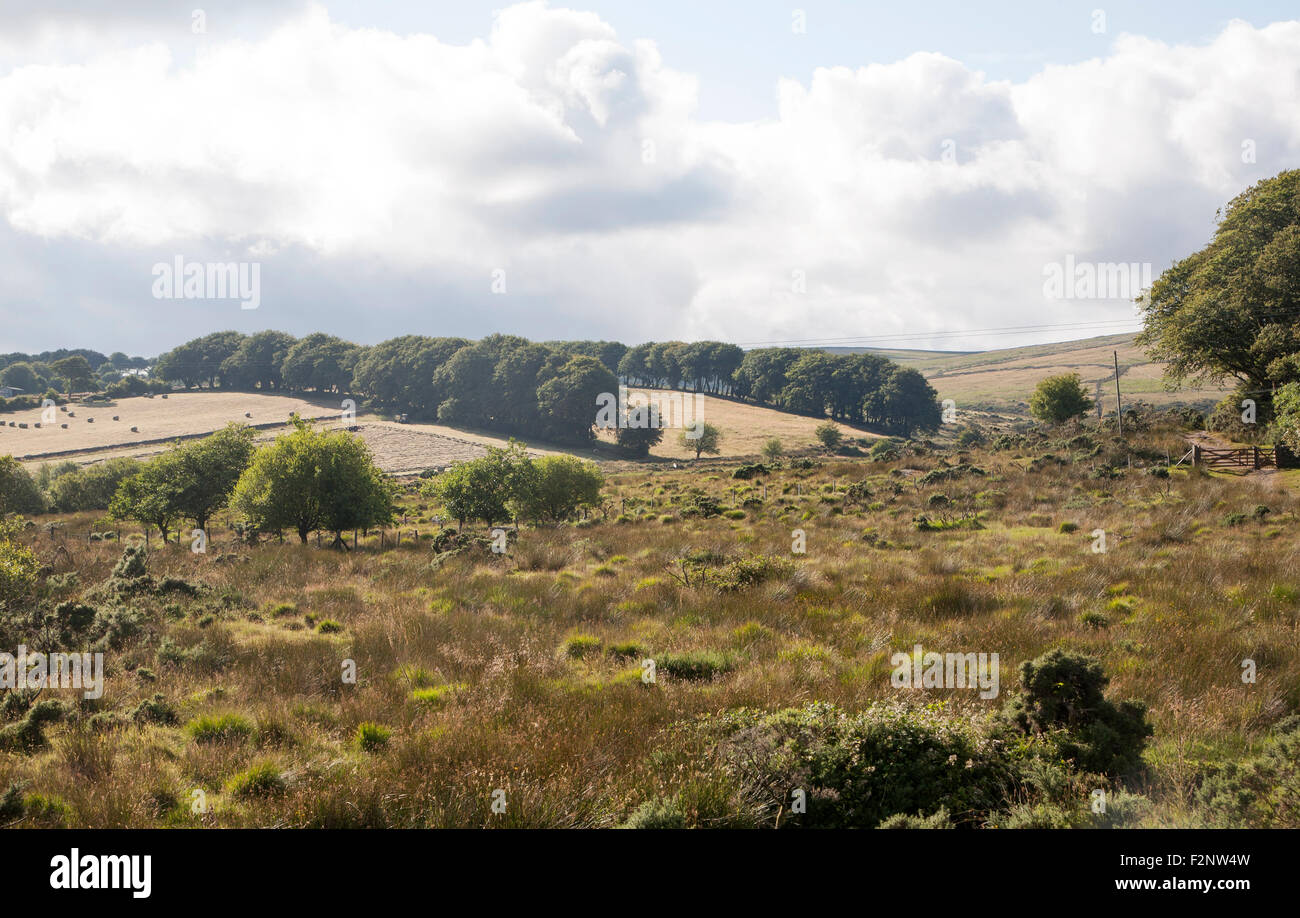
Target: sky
(905,175)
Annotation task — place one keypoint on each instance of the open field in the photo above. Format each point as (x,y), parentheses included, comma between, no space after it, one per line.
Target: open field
(524,672)
(1000,380)
(745,428)
(398,448)
(1006,378)
(179,414)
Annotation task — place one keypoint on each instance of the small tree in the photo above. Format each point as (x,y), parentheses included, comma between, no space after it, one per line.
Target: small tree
(829,435)
(482,488)
(708,439)
(210,469)
(555,488)
(149,497)
(190,481)
(18,492)
(639,440)
(76,372)
(773,450)
(1059,398)
(308,480)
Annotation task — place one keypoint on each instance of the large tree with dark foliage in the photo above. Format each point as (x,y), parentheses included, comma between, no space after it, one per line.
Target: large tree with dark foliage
(257,362)
(1231,310)
(320,362)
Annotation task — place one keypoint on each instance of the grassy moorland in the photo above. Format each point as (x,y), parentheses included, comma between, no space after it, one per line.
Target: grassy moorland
(225,702)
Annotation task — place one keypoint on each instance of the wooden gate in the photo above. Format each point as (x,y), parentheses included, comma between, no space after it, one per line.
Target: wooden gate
(1238,460)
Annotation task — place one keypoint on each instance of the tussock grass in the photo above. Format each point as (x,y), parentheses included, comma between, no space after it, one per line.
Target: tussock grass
(524,673)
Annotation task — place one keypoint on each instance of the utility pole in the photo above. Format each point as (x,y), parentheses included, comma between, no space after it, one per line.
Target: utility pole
(1099,405)
(1119,405)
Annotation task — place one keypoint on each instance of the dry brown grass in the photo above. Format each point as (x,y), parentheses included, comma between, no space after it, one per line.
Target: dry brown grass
(580,740)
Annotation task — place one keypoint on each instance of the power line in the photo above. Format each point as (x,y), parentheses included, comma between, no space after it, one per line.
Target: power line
(961,333)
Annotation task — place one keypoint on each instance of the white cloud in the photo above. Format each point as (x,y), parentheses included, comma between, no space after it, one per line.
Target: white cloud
(412,166)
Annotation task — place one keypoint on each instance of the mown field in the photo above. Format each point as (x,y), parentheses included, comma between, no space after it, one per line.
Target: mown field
(226,701)
(93,436)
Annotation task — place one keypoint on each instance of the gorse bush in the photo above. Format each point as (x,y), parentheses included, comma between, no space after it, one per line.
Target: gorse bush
(1063,699)
(659,813)
(858,770)
(1262,791)
(940,819)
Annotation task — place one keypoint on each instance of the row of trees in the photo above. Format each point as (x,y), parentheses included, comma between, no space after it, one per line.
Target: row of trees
(699,366)
(307,480)
(501,382)
(77,370)
(854,388)
(525,388)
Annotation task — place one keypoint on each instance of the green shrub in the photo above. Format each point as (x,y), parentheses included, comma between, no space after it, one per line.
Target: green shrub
(940,819)
(27,735)
(860,769)
(747,572)
(1284,593)
(659,813)
(328,626)
(828,434)
(156,710)
(935,476)
(1063,700)
(1094,619)
(1262,791)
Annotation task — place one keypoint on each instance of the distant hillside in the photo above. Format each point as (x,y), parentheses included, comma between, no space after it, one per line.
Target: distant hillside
(1003,379)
